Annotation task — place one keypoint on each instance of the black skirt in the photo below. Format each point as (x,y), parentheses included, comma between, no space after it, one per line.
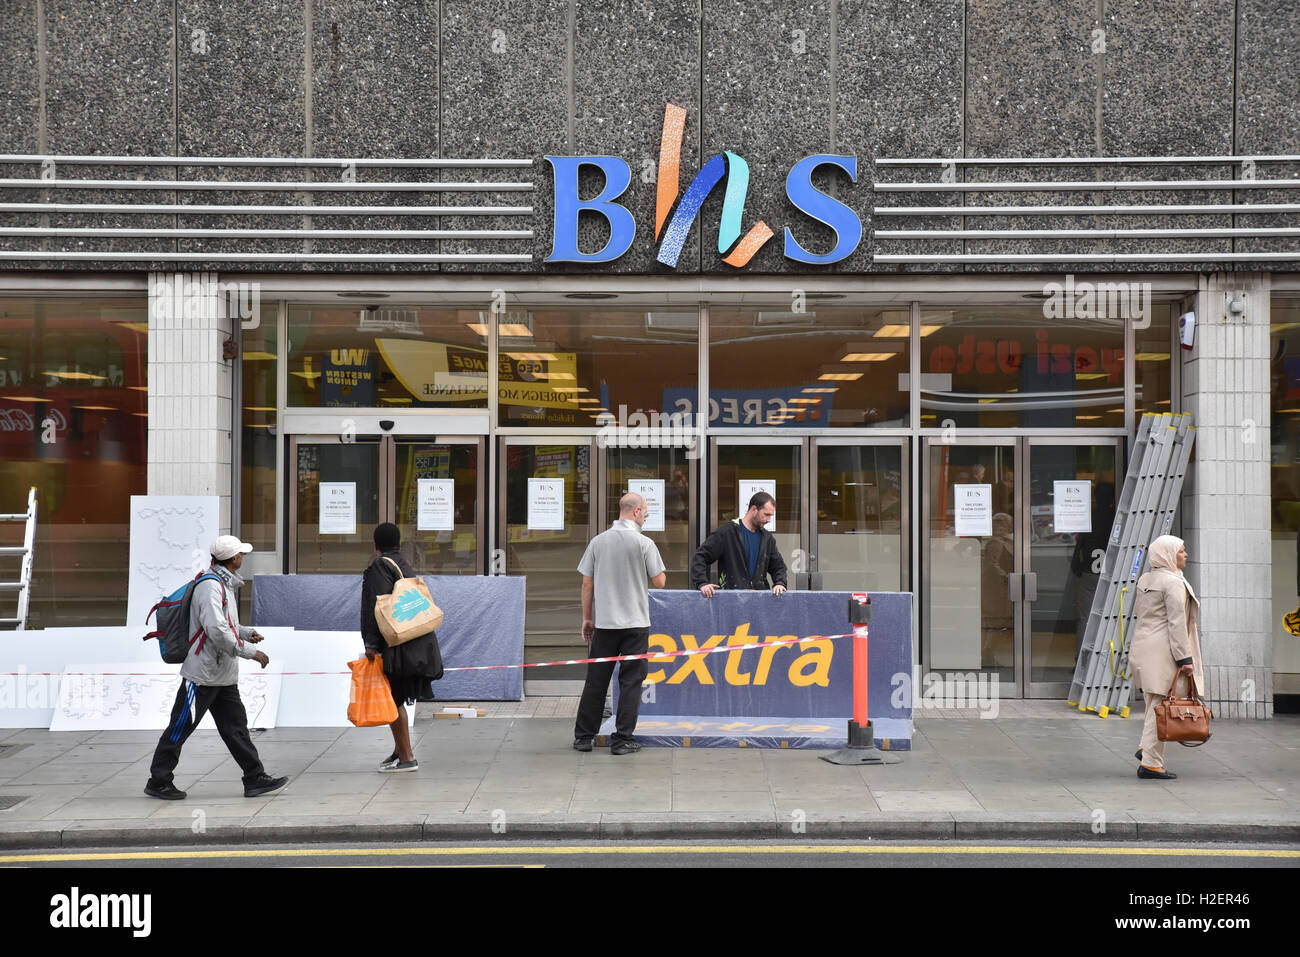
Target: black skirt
(411,667)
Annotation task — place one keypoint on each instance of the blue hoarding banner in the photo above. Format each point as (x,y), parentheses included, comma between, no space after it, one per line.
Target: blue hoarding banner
(483,623)
(806,681)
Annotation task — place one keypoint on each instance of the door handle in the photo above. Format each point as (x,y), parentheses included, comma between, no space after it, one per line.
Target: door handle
(1015,586)
(1031,586)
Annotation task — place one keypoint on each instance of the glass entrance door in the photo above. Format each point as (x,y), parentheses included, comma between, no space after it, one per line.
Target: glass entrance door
(431,487)
(1012,534)
(548,502)
(741,466)
(1071,499)
(860,515)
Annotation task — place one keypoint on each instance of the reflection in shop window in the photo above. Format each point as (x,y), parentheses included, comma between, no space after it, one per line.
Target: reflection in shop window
(825,367)
(1285,459)
(1011,367)
(73,424)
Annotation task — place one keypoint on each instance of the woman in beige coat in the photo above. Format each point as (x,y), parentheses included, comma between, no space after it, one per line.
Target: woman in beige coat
(1165,643)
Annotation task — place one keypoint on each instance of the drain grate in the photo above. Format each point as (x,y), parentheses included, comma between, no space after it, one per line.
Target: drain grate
(9,800)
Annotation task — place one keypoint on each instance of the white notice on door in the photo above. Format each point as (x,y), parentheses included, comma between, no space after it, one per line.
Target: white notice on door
(973,510)
(1072,507)
(652,490)
(546,504)
(338,508)
(747,489)
(435,512)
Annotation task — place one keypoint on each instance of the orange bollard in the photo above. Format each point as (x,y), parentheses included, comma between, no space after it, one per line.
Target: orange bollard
(861,743)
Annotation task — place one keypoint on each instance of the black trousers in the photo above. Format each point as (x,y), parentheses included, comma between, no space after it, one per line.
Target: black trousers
(608,643)
(192,703)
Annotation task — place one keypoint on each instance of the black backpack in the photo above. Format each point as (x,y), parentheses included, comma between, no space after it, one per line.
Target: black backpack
(173,634)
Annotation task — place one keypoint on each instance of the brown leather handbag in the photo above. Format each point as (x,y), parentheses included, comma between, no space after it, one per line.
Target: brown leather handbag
(1185,720)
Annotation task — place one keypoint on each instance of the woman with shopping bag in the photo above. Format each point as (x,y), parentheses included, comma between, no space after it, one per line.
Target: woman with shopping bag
(1166,649)
(410,663)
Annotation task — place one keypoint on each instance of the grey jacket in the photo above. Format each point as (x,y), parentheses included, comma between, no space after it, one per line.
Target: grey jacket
(211,659)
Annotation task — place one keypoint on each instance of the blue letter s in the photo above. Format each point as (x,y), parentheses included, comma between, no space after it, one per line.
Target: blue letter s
(824,209)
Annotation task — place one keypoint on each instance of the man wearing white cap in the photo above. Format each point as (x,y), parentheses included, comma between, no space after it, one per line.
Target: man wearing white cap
(210,676)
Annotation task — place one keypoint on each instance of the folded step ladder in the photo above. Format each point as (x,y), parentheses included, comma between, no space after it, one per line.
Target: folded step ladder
(1145,511)
(24,552)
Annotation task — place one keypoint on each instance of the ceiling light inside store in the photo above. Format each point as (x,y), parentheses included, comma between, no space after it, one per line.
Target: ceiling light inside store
(1083,418)
(26,398)
(259,356)
(97,408)
(561,376)
(138,388)
(259,408)
(532,356)
(840,376)
(1092,375)
(902,332)
(866,356)
(78,376)
(1152,357)
(823,388)
(397,399)
(801,401)
(672,321)
(570,388)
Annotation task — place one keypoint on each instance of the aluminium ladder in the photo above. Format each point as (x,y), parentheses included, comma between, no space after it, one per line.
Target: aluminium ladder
(1145,511)
(24,584)
(1116,698)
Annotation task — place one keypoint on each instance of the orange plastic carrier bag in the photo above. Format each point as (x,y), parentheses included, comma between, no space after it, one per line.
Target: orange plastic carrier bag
(371,703)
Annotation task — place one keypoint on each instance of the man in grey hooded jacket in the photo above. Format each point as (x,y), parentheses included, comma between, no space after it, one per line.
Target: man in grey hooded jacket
(210,676)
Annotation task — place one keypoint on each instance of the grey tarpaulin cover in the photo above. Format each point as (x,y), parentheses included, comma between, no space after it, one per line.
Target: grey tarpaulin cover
(484,623)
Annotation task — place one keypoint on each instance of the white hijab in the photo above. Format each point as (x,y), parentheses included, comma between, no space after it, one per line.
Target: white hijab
(1164,554)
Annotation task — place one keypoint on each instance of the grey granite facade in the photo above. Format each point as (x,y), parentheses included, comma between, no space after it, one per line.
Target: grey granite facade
(617,113)
(766,84)
(108,82)
(773,82)
(1267,111)
(20,106)
(898,95)
(375,94)
(504,96)
(240,92)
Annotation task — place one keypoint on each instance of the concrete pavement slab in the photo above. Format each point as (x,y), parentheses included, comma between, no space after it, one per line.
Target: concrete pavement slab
(922,800)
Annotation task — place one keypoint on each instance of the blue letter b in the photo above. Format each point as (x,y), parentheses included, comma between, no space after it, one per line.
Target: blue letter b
(622,227)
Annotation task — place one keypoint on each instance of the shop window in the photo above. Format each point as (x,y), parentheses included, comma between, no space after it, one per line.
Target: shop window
(73,424)
(1285,436)
(578,366)
(396,357)
(258,434)
(1153,362)
(1021,366)
(822,367)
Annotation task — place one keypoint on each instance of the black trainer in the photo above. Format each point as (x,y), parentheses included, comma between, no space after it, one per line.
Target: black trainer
(264,785)
(582,744)
(625,747)
(164,792)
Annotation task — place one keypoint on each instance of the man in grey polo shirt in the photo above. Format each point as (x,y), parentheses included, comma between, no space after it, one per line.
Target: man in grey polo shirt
(615,570)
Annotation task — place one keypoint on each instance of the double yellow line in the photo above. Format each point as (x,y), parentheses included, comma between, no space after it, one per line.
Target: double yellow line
(552,850)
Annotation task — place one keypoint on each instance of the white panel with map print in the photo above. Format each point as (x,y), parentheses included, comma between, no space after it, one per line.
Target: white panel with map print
(170,537)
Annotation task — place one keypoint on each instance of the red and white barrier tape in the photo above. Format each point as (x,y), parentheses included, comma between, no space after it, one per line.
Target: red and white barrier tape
(656,655)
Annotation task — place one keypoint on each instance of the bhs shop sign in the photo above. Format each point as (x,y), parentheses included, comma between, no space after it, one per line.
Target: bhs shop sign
(726,167)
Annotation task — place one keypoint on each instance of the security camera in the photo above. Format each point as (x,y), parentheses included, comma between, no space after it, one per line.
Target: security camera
(386,424)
